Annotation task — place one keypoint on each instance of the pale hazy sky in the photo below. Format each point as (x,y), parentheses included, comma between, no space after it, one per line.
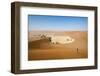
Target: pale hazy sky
(57,23)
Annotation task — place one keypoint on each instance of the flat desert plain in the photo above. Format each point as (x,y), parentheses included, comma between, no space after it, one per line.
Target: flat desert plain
(42,49)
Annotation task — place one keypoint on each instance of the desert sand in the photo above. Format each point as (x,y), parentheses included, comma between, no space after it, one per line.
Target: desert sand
(42,49)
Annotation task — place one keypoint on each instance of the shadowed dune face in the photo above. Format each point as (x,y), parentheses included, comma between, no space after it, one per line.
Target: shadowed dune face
(39,44)
(42,48)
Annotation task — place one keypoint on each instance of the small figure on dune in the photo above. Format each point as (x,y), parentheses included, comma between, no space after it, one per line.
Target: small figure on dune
(77,50)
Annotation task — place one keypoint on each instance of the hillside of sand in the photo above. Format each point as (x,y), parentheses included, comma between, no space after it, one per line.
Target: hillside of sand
(42,49)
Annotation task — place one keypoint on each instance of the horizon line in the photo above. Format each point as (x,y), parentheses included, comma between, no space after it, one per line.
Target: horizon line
(58,30)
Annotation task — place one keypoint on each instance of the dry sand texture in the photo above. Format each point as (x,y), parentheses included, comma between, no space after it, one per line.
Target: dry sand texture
(40,48)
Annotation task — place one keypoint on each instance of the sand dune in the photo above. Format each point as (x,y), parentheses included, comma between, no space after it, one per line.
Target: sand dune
(43,49)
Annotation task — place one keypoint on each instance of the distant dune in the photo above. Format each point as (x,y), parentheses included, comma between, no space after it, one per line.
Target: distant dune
(43,49)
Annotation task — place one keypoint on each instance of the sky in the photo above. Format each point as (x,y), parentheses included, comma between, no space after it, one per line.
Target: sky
(57,23)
